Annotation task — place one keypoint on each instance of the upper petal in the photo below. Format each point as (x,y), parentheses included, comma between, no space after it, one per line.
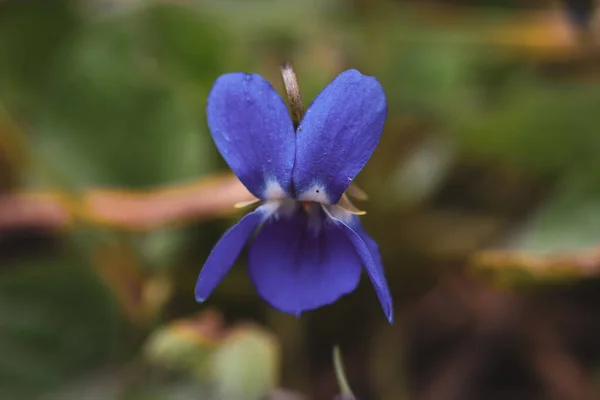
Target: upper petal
(368,252)
(252,129)
(226,251)
(337,136)
(297,265)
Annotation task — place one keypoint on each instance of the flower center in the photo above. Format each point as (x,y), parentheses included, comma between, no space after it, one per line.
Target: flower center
(307,205)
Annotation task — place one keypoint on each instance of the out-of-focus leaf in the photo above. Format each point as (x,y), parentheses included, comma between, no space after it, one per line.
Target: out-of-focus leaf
(548,128)
(560,241)
(186,345)
(113,113)
(422,172)
(187,41)
(251,18)
(568,222)
(246,364)
(159,246)
(32,36)
(239,363)
(140,295)
(431,78)
(56,321)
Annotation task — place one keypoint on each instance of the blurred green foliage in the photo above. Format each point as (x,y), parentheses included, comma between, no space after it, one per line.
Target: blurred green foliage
(112,93)
(57,320)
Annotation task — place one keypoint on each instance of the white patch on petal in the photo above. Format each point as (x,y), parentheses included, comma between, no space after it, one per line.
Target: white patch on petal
(270,208)
(279,208)
(274,191)
(316,193)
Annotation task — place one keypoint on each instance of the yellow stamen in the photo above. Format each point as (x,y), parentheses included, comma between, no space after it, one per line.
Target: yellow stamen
(347,205)
(244,204)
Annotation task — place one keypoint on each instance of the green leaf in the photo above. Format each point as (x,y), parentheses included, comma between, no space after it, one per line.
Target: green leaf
(32,36)
(56,321)
(548,128)
(430,76)
(569,221)
(111,120)
(246,364)
(187,41)
(110,114)
(180,348)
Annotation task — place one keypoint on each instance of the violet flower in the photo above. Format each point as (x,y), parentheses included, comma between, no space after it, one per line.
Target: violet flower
(307,246)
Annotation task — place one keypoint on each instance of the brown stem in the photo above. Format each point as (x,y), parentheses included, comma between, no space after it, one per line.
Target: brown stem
(207,198)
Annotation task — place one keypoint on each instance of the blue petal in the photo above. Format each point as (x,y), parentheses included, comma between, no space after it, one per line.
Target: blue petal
(337,136)
(226,251)
(298,266)
(252,129)
(368,251)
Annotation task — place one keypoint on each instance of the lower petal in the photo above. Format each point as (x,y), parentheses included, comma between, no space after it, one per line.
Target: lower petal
(368,251)
(226,251)
(297,265)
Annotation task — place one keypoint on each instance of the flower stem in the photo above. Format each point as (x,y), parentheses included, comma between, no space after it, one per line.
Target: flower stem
(345,390)
(293,91)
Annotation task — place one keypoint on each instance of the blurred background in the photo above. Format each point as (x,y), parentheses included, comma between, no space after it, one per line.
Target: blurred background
(484,198)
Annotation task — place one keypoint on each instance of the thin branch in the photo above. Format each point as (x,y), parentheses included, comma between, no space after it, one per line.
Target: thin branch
(204,199)
(584,263)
